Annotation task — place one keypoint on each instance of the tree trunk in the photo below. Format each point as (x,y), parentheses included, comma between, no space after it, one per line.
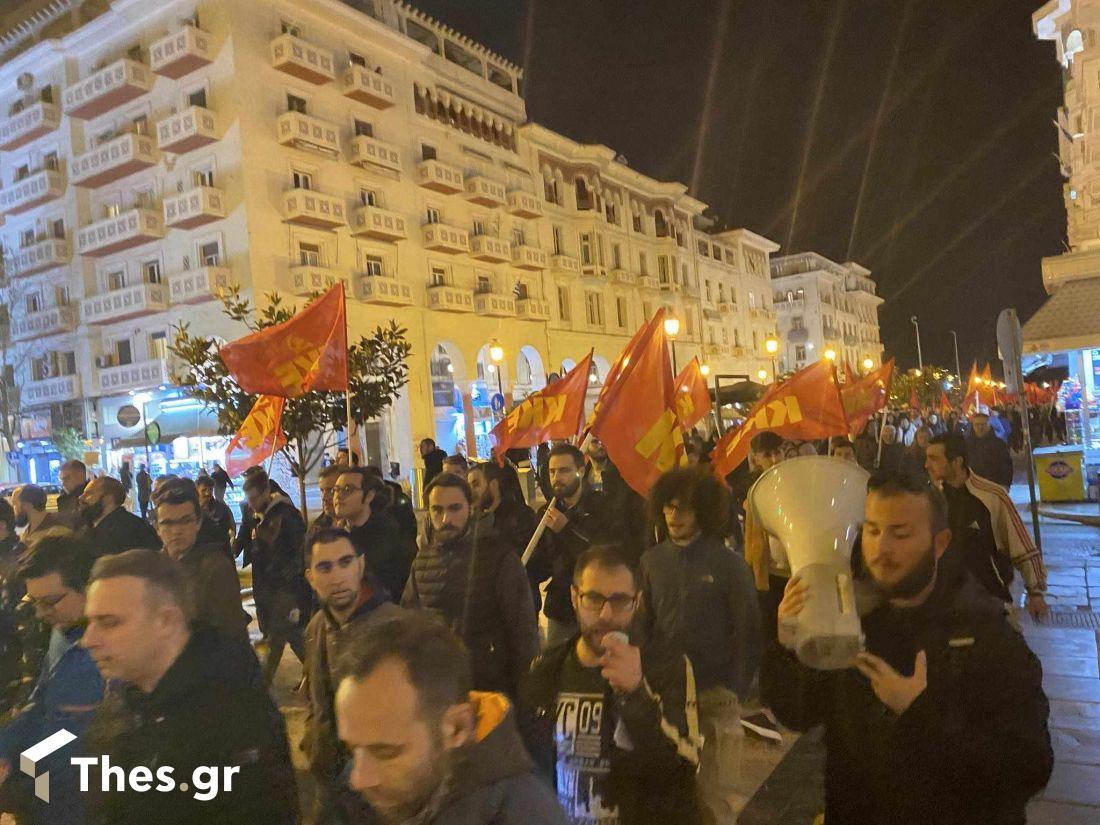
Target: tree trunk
(301,474)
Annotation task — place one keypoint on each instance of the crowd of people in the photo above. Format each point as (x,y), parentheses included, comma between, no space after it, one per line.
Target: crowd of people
(437,695)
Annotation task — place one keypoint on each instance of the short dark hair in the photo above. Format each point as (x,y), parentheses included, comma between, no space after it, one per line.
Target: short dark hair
(163,576)
(179,491)
(204,481)
(367,480)
(255,478)
(569,450)
(839,441)
(766,442)
(75,464)
(326,535)
(696,488)
(459,459)
(889,484)
(113,489)
(428,441)
(33,495)
(58,550)
(433,657)
(954,446)
(450,480)
(605,557)
(490,470)
(7,514)
(331,471)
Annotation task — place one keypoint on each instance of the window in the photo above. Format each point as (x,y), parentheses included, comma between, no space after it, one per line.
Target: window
(140,125)
(710,296)
(737,337)
(363,128)
(660,224)
(752,300)
(309,254)
(689,317)
(116,280)
(372,266)
(438,276)
(593,308)
(519,237)
(586,249)
(427,152)
(47,94)
(49,161)
(584,199)
(33,303)
(563,303)
(479,226)
(22,172)
(67,363)
(620,312)
(643,266)
(558,245)
(150,272)
(210,254)
(290,28)
(301,180)
(295,104)
(662,269)
(134,53)
(61,296)
(616,256)
(550,191)
(104,136)
(144,199)
(702,245)
(638,223)
(432,214)
(123,352)
(197,98)
(484,284)
(368,197)
(796,322)
(800,353)
(26,238)
(520,291)
(158,345)
(721,292)
(356,59)
(611,212)
(755,342)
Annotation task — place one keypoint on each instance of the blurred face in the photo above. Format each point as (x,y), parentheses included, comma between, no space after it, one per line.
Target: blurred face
(604,601)
(350,500)
(19,507)
(94,502)
(399,758)
(55,603)
(904,424)
(845,452)
(596,450)
(126,630)
(327,486)
(426,447)
(565,476)
(680,520)
(768,458)
(980,425)
(921,438)
(449,512)
(486,493)
(71,479)
(206,494)
(258,498)
(455,467)
(335,572)
(178,527)
(898,545)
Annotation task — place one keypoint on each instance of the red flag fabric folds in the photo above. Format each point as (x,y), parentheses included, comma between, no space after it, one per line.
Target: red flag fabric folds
(260,436)
(555,411)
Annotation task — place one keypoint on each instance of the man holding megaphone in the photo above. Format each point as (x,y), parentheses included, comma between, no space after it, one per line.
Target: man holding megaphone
(942,716)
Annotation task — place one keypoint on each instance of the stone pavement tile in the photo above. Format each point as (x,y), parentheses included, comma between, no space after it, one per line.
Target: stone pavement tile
(794,792)
(1043,645)
(1074,589)
(1075,784)
(1074,715)
(1070,666)
(1079,746)
(1076,688)
(1067,578)
(1042,812)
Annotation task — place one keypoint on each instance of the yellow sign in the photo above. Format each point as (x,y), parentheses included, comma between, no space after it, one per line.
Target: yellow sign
(1061,476)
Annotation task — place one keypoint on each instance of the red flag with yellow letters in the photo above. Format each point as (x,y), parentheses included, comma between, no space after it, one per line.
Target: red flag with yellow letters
(308,352)
(260,436)
(555,411)
(866,396)
(692,395)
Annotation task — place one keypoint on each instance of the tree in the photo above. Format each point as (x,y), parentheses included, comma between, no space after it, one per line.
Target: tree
(69,442)
(377,368)
(928,383)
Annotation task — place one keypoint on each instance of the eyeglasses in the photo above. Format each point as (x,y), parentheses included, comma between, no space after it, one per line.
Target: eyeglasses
(46,602)
(346,489)
(620,602)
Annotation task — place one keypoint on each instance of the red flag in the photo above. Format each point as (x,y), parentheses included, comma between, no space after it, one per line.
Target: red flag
(555,411)
(945,403)
(692,395)
(636,417)
(914,401)
(849,374)
(867,396)
(260,435)
(308,352)
(611,382)
(806,405)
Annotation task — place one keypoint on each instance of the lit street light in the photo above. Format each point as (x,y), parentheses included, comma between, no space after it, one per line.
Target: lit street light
(920,357)
(704,370)
(830,354)
(496,354)
(868,364)
(762,375)
(771,346)
(672,329)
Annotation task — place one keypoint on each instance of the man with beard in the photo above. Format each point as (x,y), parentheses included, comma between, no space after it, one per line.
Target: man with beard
(426,749)
(350,600)
(433,459)
(625,509)
(942,718)
(360,504)
(477,585)
(613,726)
(576,518)
(73,476)
(513,521)
(112,528)
(29,502)
(987,454)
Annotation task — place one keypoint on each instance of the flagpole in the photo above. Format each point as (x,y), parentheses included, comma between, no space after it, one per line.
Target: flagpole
(882,426)
(347,380)
(537,535)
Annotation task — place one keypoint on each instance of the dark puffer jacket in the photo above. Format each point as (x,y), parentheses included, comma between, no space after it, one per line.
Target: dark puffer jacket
(276,550)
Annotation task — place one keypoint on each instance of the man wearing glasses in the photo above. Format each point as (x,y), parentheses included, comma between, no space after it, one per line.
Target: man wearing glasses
(360,503)
(612,726)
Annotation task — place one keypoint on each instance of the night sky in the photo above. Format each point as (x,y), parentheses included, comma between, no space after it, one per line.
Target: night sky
(962,194)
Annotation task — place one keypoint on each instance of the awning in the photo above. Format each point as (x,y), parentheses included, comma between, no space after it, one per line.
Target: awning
(1069,320)
(172,423)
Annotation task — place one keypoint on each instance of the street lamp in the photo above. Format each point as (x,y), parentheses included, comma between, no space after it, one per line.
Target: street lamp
(496,354)
(704,370)
(958,369)
(771,346)
(920,358)
(672,329)
(762,375)
(830,354)
(868,364)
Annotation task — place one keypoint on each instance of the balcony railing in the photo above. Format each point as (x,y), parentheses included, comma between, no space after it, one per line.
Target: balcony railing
(193,286)
(525,256)
(122,304)
(622,276)
(383,291)
(370,152)
(306,280)
(309,133)
(110,87)
(441,237)
(42,187)
(648,282)
(125,231)
(450,299)
(201,205)
(302,59)
(181,53)
(439,177)
(310,208)
(33,122)
(141,375)
(491,305)
(188,130)
(533,309)
(52,390)
(380,224)
(524,204)
(114,160)
(47,322)
(484,191)
(43,255)
(566,264)
(361,84)
(488,248)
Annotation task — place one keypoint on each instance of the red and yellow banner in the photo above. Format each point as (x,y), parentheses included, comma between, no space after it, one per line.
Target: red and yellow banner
(866,396)
(692,395)
(555,411)
(260,436)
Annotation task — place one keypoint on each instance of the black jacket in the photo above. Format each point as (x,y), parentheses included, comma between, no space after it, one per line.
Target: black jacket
(275,552)
(626,511)
(219,514)
(209,709)
(433,465)
(400,506)
(388,552)
(68,507)
(513,522)
(121,530)
(653,784)
(217,591)
(477,585)
(701,599)
(989,457)
(557,553)
(973,545)
(972,748)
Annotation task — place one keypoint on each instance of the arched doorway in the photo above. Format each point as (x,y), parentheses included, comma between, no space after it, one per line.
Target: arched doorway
(530,373)
(448,374)
(491,380)
(596,376)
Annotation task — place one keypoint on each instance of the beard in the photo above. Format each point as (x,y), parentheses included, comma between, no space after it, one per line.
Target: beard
(21,520)
(593,636)
(913,582)
(90,513)
(402,806)
(567,490)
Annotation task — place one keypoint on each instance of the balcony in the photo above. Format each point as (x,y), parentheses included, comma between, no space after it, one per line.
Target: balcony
(188,130)
(306,280)
(439,177)
(789,304)
(669,286)
(648,282)
(450,299)
(712,314)
(301,59)
(361,84)
(34,190)
(51,321)
(21,128)
(123,304)
(110,87)
(194,286)
(52,390)
(622,276)
(309,133)
(368,152)
(524,204)
(851,340)
(309,208)
(484,191)
(181,53)
(488,248)
(43,255)
(441,237)
(565,264)
(714,350)
(533,309)
(738,352)
(380,224)
(383,291)
(798,336)
(528,257)
(491,305)
(125,231)
(113,161)
(760,314)
(141,375)
(594,273)
(201,205)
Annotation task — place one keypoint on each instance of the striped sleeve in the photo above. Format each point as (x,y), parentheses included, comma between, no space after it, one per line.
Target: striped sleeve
(1011,534)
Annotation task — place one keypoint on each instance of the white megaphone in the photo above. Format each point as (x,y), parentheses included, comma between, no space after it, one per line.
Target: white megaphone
(814,506)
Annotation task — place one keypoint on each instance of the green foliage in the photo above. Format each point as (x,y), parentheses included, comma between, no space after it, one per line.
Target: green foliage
(928,384)
(70,443)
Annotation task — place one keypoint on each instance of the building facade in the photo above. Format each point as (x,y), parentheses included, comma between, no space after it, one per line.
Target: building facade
(157,152)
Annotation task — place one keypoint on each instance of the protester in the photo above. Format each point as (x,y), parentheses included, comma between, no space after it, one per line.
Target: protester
(433,459)
(579,693)
(841,447)
(222,481)
(126,477)
(398,504)
(477,585)
(212,576)
(986,528)
(216,512)
(988,455)
(456,465)
(943,718)
(112,528)
(891,451)
(698,597)
(54,570)
(912,457)
(350,599)
(624,507)
(906,432)
(424,748)
(73,476)
(935,425)
(29,502)
(144,489)
(360,502)
(512,521)
(326,485)
(189,699)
